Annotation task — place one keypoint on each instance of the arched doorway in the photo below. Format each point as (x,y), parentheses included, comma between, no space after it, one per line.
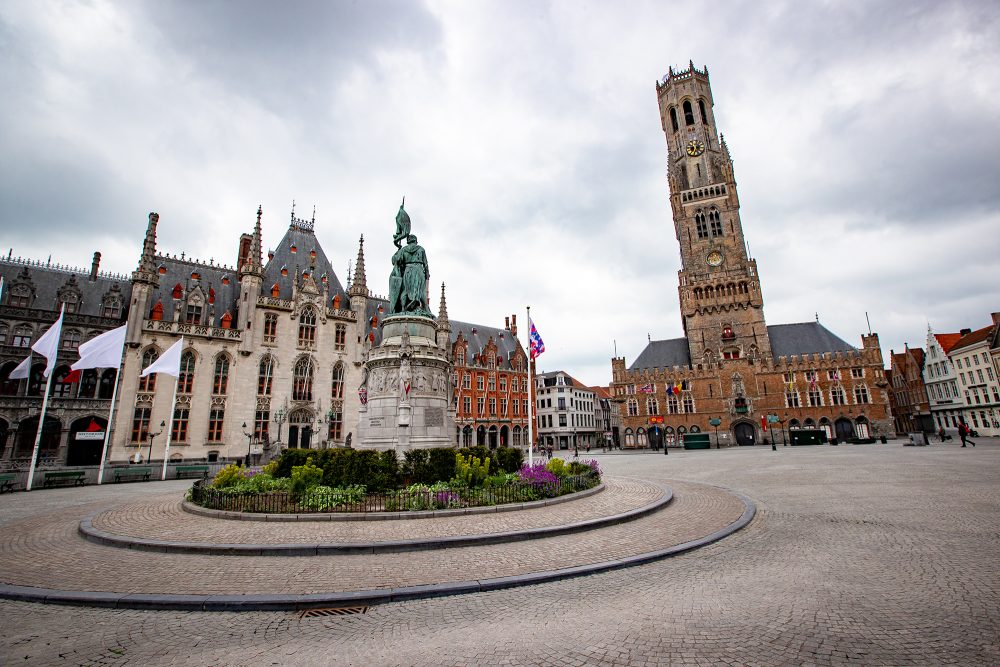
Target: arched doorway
(844,428)
(467,436)
(4,435)
(493,437)
(745,434)
(49,444)
(86,437)
(300,429)
(824,424)
(862,428)
(504,436)
(481,436)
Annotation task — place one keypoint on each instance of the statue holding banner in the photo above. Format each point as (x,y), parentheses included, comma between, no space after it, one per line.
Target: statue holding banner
(408,280)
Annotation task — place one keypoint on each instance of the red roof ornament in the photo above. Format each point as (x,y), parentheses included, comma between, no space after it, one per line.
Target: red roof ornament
(211,295)
(293,249)
(157,311)
(227,320)
(178,292)
(275,290)
(336,302)
(284,270)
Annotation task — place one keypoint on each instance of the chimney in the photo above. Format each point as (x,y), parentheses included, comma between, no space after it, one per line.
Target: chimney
(96,264)
(965,332)
(996,318)
(506,322)
(513,324)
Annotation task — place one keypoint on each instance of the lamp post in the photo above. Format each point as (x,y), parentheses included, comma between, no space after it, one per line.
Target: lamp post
(715,421)
(781,425)
(249,436)
(151,436)
(280,415)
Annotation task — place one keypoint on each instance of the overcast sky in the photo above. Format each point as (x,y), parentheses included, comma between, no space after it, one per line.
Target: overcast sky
(526,138)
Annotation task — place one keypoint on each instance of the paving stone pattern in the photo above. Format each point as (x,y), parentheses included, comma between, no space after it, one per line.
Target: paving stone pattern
(873,555)
(162,518)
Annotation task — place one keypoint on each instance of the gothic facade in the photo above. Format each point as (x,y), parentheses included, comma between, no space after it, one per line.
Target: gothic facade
(731,370)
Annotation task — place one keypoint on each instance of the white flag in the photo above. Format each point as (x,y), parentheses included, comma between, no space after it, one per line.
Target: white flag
(105,351)
(48,344)
(169,362)
(22,371)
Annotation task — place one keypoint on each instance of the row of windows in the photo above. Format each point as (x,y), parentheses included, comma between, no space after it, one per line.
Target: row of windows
(978,373)
(674,405)
(836,396)
(22,335)
(110,306)
(974,396)
(481,407)
(708,222)
(490,383)
(574,421)
(489,361)
(574,404)
(84,384)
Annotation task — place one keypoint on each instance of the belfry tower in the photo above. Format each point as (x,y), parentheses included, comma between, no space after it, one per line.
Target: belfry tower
(721,303)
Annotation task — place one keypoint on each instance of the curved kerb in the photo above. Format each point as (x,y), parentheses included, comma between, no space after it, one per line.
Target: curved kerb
(97,536)
(279,602)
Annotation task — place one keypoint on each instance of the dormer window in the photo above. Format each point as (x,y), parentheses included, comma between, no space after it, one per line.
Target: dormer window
(192,315)
(727,333)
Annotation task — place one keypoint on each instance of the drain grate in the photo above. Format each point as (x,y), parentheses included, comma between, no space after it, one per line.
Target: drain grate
(332,611)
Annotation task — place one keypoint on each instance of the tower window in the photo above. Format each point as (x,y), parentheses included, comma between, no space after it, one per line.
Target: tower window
(700,225)
(688,113)
(673,118)
(716,221)
(701,107)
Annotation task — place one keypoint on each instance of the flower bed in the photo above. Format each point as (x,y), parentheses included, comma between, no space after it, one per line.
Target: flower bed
(255,490)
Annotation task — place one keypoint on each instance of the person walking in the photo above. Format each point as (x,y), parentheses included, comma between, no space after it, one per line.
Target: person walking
(963,432)
(942,434)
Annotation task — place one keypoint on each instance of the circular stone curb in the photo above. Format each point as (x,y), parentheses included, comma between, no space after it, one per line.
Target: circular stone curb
(191,508)
(293,602)
(97,536)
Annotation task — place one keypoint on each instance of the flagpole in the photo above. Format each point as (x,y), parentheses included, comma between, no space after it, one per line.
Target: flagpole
(531,400)
(170,429)
(107,430)
(38,433)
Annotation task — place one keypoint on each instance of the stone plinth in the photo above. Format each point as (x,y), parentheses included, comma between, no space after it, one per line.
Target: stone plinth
(395,418)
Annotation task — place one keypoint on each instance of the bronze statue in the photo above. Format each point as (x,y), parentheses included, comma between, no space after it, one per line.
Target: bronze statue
(402,225)
(408,280)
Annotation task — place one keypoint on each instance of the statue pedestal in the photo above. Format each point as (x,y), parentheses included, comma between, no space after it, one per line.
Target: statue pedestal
(398,419)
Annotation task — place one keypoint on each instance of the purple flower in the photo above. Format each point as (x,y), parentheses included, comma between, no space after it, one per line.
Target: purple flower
(537,475)
(446,498)
(595,466)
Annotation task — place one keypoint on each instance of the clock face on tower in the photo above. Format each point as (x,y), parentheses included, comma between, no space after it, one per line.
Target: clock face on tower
(695,147)
(714,258)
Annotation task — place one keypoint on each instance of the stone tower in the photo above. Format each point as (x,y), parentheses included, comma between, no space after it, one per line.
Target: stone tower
(144,280)
(251,267)
(721,303)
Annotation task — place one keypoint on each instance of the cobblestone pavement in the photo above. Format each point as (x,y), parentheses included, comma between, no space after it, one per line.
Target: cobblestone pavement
(162,518)
(47,552)
(882,555)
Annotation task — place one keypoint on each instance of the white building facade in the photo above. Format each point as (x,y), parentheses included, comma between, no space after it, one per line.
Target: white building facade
(977,379)
(566,412)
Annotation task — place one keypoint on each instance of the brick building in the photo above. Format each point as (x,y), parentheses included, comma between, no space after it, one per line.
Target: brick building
(731,366)
(911,410)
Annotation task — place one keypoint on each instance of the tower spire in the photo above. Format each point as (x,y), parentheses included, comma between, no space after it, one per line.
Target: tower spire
(256,256)
(149,245)
(442,309)
(359,285)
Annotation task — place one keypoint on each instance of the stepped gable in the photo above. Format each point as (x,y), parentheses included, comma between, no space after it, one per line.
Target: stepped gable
(663,354)
(505,341)
(173,271)
(947,341)
(48,279)
(804,338)
(302,236)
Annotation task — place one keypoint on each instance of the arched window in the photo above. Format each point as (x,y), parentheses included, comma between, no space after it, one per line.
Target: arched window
(860,394)
(8,387)
(688,113)
(88,383)
(337,390)
(107,386)
(633,408)
(302,376)
(700,225)
(673,405)
(22,336)
(148,383)
(716,222)
(701,107)
(220,382)
(335,424)
(307,328)
(673,118)
(185,381)
(3,334)
(629,438)
(265,375)
(71,339)
(270,327)
(652,406)
(60,387)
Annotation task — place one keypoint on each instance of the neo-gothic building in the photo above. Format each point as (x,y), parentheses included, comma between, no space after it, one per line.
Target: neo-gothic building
(272,355)
(730,365)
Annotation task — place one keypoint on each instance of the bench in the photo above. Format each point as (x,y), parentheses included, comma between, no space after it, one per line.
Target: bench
(7,482)
(192,470)
(132,473)
(61,476)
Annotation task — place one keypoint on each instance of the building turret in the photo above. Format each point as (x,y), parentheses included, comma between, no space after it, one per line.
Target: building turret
(443,324)
(144,280)
(251,280)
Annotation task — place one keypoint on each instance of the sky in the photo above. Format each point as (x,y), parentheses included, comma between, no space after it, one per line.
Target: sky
(526,139)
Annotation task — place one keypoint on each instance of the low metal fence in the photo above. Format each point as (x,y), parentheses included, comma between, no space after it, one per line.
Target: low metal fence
(339,500)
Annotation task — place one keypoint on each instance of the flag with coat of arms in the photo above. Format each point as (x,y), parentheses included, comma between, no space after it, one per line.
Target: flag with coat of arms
(535,343)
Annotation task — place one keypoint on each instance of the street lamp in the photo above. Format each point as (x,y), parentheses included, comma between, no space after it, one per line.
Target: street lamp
(249,436)
(715,421)
(781,424)
(151,436)
(279,416)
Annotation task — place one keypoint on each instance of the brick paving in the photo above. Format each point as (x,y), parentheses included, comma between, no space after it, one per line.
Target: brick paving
(46,551)
(161,518)
(874,555)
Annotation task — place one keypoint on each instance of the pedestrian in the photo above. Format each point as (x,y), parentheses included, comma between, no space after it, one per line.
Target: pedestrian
(942,434)
(576,451)
(588,447)
(963,432)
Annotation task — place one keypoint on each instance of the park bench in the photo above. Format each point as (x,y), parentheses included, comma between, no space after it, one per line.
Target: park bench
(64,476)
(6,482)
(192,470)
(132,473)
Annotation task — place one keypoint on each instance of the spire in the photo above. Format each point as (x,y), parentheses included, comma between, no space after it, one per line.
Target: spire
(360,284)
(149,245)
(443,310)
(256,257)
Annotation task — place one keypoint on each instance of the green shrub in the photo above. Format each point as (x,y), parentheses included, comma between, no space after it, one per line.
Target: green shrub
(306,476)
(577,468)
(322,498)
(501,479)
(502,459)
(471,471)
(378,471)
(229,476)
(557,467)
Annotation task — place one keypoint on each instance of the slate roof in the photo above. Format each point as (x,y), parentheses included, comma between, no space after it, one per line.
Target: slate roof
(48,279)
(804,338)
(505,341)
(573,382)
(179,272)
(301,235)
(663,354)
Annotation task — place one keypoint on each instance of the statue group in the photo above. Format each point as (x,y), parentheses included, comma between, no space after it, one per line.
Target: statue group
(408,280)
